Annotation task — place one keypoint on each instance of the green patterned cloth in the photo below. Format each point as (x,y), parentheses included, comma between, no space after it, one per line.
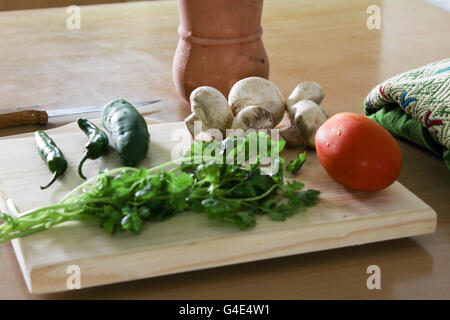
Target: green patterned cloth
(415,105)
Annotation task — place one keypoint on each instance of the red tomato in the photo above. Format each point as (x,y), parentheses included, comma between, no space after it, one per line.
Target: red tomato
(357,152)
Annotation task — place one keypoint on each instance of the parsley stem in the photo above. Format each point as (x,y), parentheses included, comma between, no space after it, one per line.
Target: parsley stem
(90,181)
(255,198)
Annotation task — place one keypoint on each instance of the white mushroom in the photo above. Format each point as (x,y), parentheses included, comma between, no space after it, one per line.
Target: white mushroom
(253,117)
(307,90)
(209,106)
(256,91)
(306,118)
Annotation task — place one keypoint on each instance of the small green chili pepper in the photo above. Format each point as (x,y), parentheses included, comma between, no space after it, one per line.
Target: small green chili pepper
(51,154)
(97,145)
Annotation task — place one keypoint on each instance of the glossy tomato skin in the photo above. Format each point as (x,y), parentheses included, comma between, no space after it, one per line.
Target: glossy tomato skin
(357,152)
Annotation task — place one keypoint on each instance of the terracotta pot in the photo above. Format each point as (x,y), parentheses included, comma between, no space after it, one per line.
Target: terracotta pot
(220,43)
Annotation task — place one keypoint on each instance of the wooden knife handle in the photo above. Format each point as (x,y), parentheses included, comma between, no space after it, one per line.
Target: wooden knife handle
(23,117)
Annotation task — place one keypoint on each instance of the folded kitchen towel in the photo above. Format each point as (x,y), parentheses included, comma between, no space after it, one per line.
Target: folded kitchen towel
(415,105)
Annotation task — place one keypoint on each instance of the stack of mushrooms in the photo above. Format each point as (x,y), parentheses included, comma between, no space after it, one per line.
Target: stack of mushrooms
(257,103)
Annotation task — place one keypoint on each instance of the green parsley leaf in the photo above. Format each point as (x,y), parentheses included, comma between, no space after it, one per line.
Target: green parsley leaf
(123,199)
(295,165)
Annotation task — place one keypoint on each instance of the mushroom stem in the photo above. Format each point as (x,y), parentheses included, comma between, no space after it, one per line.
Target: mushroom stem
(292,137)
(189,121)
(253,117)
(306,116)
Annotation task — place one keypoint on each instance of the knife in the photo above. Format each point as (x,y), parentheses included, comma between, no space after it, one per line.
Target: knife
(39,115)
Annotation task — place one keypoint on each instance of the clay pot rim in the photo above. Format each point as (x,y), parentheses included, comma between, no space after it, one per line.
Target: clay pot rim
(189,37)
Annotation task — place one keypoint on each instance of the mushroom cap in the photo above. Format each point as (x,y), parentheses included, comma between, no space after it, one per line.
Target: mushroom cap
(308,117)
(307,90)
(211,107)
(253,117)
(256,91)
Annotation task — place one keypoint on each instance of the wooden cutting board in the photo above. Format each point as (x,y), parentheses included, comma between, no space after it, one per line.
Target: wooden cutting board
(188,241)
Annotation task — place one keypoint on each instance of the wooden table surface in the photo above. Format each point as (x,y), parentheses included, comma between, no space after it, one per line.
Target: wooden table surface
(126,50)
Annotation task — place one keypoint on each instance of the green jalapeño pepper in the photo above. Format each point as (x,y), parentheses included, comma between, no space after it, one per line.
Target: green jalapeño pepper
(97,145)
(51,154)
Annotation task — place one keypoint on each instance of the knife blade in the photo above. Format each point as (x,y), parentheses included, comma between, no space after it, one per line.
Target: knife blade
(39,115)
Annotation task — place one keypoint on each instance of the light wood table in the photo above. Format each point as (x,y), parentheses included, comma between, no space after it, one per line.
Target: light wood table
(126,50)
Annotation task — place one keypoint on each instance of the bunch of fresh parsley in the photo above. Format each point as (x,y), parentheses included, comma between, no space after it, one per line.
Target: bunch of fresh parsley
(209,179)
